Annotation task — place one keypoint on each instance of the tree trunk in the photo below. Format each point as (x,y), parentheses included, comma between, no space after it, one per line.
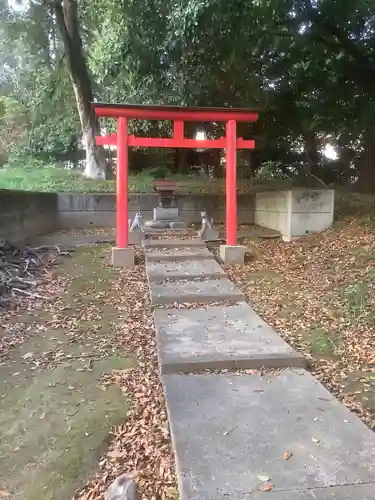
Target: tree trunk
(68,23)
(182,166)
(312,151)
(217,169)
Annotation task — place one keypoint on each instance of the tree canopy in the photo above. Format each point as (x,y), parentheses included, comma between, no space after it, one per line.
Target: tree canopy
(308,65)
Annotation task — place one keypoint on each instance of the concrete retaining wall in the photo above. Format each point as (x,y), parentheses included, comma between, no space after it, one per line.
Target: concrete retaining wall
(292,212)
(24,214)
(295,212)
(99,210)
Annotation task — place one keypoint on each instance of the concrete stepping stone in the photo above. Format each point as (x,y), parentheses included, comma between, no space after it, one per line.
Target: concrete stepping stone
(170,232)
(188,269)
(194,291)
(176,254)
(219,337)
(230,432)
(174,243)
(358,492)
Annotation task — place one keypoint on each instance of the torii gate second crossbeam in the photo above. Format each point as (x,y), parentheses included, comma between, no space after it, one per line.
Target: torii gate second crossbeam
(177,114)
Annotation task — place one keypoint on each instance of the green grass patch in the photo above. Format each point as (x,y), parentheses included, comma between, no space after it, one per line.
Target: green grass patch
(55,421)
(62,180)
(356,297)
(36,176)
(323,344)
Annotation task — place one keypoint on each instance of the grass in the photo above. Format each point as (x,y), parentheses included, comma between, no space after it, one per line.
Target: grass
(322,344)
(357,299)
(63,180)
(55,421)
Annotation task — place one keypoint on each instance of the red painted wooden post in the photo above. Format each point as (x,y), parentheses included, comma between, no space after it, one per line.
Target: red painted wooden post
(178,130)
(231,182)
(125,112)
(122,183)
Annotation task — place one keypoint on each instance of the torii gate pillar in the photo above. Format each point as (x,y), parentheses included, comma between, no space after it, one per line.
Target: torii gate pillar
(231,253)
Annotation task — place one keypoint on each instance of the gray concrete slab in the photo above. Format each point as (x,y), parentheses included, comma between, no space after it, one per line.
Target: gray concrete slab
(227,430)
(194,291)
(358,492)
(188,269)
(170,232)
(219,337)
(177,254)
(174,243)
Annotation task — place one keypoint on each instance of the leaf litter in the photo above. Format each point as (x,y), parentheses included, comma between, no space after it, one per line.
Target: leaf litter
(318,293)
(140,444)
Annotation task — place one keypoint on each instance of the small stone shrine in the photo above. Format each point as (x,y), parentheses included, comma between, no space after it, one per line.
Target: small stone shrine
(166,214)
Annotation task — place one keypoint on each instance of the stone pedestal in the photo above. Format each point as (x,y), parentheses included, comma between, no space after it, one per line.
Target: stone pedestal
(135,237)
(167,214)
(232,255)
(209,234)
(123,257)
(166,218)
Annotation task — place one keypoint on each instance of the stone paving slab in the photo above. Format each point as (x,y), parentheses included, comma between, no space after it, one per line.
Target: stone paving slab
(219,337)
(194,291)
(229,429)
(177,255)
(170,232)
(188,269)
(165,243)
(358,492)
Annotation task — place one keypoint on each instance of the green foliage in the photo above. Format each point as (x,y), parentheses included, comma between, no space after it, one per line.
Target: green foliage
(160,172)
(308,65)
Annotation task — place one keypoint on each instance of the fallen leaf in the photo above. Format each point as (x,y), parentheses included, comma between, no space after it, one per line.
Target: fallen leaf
(266,487)
(264,479)
(337,263)
(114,454)
(287,455)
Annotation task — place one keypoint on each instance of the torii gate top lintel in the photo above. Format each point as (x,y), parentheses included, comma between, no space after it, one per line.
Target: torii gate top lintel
(161,112)
(177,114)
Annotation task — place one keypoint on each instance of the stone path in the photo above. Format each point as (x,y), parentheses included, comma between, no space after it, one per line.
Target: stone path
(242,434)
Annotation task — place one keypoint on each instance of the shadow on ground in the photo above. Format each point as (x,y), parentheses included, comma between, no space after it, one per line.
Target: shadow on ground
(55,416)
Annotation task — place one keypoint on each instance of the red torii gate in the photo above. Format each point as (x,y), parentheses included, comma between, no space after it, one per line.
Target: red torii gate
(177,114)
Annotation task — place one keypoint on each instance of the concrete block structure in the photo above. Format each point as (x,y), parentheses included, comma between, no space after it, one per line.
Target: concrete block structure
(295,212)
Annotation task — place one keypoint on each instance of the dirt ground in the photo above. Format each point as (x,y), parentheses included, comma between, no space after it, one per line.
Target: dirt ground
(319,294)
(54,414)
(65,367)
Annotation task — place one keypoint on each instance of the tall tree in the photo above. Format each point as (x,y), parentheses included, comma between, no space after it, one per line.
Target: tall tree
(68,22)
